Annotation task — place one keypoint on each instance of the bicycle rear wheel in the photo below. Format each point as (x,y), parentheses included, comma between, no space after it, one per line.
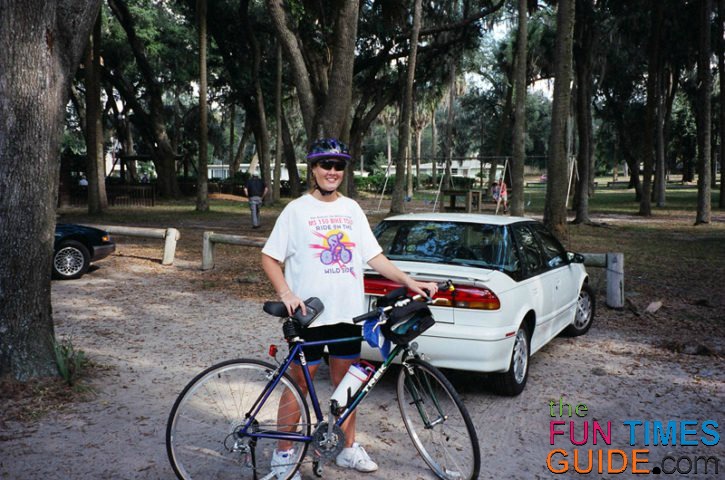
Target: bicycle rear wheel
(438,422)
(202,439)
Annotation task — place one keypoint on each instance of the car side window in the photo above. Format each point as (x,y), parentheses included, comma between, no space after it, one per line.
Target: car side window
(553,251)
(529,250)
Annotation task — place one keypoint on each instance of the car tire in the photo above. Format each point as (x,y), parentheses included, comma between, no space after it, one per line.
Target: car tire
(71,260)
(584,315)
(512,382)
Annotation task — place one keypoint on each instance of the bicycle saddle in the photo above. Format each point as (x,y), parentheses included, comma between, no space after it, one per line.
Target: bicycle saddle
(313,305)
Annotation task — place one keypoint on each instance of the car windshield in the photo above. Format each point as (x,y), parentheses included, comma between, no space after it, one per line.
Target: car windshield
(455,243)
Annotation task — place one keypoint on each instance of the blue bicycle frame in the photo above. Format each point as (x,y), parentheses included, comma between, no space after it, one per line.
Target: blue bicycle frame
(298,352)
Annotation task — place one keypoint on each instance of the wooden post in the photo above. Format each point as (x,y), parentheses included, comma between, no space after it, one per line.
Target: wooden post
(614,263)
(210,238)
(207,252)
(615,280)
(170,238)
(169,235)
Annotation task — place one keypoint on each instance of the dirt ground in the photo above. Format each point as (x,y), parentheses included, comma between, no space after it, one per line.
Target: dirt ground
(148,329)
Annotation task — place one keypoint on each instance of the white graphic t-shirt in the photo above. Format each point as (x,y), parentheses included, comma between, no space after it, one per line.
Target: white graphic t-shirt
(324,247)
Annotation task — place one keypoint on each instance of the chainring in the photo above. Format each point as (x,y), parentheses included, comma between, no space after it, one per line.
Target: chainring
(328,446)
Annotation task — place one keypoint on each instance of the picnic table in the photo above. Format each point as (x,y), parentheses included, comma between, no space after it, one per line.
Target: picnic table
(471,200)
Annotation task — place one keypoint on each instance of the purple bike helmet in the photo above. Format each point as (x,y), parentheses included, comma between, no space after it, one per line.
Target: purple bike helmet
(328,148)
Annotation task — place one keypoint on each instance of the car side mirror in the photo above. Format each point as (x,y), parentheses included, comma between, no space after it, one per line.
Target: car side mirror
(575,257)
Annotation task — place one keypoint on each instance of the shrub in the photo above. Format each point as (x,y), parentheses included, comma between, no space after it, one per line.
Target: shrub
(69,360)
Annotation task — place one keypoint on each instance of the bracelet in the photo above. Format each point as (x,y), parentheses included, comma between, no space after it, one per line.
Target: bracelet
(282,295)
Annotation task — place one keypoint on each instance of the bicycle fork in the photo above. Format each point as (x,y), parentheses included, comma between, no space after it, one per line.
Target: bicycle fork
(420,389)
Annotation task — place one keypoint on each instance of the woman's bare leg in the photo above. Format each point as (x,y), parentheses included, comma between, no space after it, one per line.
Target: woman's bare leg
(288,412)
(338,368)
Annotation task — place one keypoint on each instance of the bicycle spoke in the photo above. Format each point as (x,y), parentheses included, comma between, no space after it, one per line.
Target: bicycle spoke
(204,438)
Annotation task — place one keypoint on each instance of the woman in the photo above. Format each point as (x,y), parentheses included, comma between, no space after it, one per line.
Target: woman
(324,241)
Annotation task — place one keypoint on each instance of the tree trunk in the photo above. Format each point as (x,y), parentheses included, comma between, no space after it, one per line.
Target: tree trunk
(128,149)
(278,128)
(557,171)
(261,134)
(43,43)
(365,114)
(503,129)
(388,118)
(202,177)
(519,133)
(290,159)
(324,93)
(406,114)
(447,180)
(152,121)
(704,116)
(660,164)
(232,127)
(721,72)
(418,140)
(584,38)
(648,131)
(239,155)
(96,162)
(433,148)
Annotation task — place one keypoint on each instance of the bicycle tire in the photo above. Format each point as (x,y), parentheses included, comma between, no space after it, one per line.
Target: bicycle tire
(200,440)
(437,421)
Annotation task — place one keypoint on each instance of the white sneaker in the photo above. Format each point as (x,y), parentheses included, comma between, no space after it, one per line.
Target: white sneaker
(356,457)
(282,463)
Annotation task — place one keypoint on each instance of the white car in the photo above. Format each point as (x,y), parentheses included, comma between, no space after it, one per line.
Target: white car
(516,288)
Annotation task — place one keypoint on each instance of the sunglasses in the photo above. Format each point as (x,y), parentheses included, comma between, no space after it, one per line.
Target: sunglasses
(330,164)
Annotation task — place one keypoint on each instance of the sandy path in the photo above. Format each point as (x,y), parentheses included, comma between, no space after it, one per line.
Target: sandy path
(151,330)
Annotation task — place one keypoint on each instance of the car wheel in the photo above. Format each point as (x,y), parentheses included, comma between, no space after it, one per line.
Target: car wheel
(584,315)
(71,260)
(512,383)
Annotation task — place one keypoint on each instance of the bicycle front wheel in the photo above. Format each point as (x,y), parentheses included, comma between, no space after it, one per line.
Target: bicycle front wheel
(203,436)
(438,422)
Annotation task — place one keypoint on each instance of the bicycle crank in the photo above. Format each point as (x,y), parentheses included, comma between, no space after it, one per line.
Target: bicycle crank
(327,442)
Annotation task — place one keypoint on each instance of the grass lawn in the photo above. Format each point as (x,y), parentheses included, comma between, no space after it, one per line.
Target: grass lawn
(667,258)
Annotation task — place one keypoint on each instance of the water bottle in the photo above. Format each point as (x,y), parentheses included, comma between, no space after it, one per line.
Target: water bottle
(351,382)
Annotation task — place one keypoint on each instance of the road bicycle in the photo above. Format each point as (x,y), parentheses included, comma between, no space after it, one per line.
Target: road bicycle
(228,421)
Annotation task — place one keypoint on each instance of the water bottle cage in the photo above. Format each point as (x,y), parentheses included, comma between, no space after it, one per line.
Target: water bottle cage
(335,407)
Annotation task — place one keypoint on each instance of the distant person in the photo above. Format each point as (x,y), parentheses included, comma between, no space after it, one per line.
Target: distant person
(500,195)
(145,178)
(83,182)
(504,197)
(255,190)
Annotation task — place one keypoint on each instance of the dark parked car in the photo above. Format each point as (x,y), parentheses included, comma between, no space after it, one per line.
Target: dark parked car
(76,246)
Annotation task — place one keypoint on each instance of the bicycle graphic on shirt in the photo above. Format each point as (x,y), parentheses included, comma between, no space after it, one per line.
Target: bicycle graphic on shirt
(337,252)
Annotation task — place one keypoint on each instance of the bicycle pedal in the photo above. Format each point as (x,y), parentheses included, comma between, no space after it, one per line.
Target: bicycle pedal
(317,467)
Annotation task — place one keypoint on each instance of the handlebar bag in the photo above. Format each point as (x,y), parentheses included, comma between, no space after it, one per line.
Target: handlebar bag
(407,322)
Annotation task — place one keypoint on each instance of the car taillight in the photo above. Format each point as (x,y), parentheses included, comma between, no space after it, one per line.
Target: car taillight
(477,298)
(379,286)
